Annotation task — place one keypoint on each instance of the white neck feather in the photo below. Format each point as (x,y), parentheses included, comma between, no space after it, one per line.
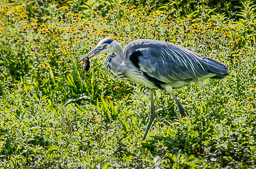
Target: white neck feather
(117,49)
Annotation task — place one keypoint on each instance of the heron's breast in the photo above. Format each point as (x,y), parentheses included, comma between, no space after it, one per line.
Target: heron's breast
(137,77)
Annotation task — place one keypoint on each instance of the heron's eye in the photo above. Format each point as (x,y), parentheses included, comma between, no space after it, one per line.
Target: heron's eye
(104,46)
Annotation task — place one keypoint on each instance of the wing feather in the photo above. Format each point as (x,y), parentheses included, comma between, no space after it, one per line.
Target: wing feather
(167,62)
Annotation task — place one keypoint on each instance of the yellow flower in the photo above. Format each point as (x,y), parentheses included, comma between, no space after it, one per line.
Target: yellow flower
(64,8)
(39,54)
(235,55)
(184,118)
(34,24)
(59,61)
(66,52)
(49,54)
(172,40)
(186,42)
(250,98)
(231,42)
(253,89)
(108,97)
(117,88)
(134,14)
(22,21)
(1,28)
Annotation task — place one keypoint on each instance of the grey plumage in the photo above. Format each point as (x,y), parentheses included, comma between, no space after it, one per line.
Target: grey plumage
(168,62)
(157,64)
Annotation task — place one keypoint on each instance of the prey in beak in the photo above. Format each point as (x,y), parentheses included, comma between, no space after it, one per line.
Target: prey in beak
(86,65)
(104,46)
(87,57)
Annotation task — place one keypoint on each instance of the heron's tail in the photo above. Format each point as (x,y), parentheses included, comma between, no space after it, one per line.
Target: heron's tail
(216,68)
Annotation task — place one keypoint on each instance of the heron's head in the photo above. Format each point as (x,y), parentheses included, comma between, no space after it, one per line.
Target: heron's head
(106,45)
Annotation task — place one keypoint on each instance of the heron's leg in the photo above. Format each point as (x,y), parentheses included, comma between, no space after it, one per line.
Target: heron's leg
(152,115)
(182,110)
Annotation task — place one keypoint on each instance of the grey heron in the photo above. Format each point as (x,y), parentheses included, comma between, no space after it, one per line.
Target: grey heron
(157,65)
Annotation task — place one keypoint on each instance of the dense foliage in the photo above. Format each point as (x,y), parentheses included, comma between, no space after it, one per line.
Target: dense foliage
(53,115)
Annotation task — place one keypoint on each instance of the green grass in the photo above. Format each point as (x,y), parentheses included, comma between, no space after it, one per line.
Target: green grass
(53,115)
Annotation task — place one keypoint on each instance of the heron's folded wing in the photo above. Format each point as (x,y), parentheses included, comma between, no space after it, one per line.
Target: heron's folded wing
(168,62)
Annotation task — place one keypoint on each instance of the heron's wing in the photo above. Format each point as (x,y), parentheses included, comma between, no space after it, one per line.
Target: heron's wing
(165,61)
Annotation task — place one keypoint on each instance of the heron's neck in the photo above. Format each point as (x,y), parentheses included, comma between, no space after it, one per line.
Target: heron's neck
(118,50)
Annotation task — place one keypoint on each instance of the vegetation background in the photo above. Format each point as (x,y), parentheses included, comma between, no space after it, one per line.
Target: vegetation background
(53,115)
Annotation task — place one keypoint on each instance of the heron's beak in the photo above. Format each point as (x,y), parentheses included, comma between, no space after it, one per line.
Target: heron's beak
(89,55)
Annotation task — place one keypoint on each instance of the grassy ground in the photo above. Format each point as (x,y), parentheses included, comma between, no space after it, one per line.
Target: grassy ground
(52,115)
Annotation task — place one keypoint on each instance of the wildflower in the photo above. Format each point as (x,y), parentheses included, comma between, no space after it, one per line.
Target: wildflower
(134,14)
(98,32)
(253,89)
(235,55)
(132,7)
(46,64)
(250,98)
(232,42)
(66,52)
(108,97)
(59,61)
(1,28)
(184,118)
(34,24)
(64,8)
(22,21)
(172,40)
(233,28)
(146,7)
(186,42)
(39,54)
(117,88)
(49,54)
